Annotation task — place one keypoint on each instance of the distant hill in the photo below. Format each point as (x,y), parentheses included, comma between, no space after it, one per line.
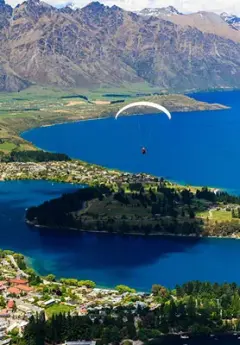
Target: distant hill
(99,45)
(208,22)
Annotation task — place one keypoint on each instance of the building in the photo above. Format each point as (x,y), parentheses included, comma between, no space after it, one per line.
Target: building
(14,290)
(10,304)
(18,281)
(49,302)
(24,288)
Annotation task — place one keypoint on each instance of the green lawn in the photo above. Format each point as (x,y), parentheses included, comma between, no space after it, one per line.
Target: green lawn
(7,146)
(221,215)
(57,309)
(217,215)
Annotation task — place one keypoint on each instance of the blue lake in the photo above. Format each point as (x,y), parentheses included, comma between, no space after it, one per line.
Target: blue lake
(109,259)
(199,148)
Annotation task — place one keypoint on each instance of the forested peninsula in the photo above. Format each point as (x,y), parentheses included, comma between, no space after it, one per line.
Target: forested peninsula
(142,208)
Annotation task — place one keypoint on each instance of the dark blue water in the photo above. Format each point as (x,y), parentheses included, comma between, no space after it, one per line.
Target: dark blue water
(200,148)
(107,259)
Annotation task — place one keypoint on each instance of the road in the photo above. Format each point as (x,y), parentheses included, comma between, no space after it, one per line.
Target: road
(19,272)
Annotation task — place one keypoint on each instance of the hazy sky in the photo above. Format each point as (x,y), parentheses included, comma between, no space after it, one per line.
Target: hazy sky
(232,6)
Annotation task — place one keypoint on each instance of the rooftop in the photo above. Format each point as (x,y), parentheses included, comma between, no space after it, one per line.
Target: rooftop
(24,288)
(10,304)
(14,290)
(18,281)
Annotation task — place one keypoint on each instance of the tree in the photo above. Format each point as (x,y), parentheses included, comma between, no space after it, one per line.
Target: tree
(123,288)
(191,307)
(87,283)
(2,301)
(159,290)
(50,278)
(156,289)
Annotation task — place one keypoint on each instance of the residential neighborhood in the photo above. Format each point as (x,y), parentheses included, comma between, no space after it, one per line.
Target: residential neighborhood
(73,171)
(23,294)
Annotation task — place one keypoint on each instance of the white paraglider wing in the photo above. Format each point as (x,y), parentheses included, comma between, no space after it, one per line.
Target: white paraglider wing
(145,104)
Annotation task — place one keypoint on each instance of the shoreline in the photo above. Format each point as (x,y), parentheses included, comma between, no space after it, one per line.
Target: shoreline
(132,234)
(107,113)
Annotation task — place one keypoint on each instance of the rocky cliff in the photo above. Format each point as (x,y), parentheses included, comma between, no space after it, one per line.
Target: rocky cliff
(99,45)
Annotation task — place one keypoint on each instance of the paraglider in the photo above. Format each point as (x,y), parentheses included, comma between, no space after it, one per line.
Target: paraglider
(144,104)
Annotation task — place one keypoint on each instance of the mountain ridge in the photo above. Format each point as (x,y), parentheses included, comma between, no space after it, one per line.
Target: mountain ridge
(101,45)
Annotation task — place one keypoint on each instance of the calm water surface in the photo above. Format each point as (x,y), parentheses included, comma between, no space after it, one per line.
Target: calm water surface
(109,259)
(199,148)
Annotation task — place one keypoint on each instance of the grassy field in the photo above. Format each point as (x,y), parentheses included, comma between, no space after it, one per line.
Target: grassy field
(57,309)
(219,215)
(7,146)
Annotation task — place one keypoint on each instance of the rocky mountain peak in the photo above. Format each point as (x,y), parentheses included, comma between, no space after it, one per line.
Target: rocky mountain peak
(102,45)
(33,9)
(171,10)
(94,6)
(5,14)
(159,12)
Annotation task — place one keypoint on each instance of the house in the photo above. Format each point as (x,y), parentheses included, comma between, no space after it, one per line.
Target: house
(28,308)
(18,281)
(24,308)
(14,290)
(24,288)
(49,302)
(10,304)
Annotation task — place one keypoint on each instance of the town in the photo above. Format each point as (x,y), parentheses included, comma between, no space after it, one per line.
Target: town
(24,294)
(79,313)
(73,171)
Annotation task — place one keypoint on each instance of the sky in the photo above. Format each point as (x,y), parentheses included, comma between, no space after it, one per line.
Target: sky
(185,6)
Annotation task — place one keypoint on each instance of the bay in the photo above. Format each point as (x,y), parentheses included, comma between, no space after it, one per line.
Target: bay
(108,259)
(199,148)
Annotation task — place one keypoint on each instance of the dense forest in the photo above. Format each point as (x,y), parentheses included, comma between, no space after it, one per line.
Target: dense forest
(134,209)
(33,156)
(195,308)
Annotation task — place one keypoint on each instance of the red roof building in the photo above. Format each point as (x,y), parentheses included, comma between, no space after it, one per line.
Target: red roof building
(10,304)
(18,281)
(14,290)
(24,288)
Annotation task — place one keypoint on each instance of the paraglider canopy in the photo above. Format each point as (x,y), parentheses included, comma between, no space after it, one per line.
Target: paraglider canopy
(145,104)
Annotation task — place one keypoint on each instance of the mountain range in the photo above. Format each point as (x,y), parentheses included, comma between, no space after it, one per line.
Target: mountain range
(100,45)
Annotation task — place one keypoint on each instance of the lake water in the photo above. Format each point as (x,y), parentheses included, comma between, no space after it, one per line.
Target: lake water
(108,259)
(199,148)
